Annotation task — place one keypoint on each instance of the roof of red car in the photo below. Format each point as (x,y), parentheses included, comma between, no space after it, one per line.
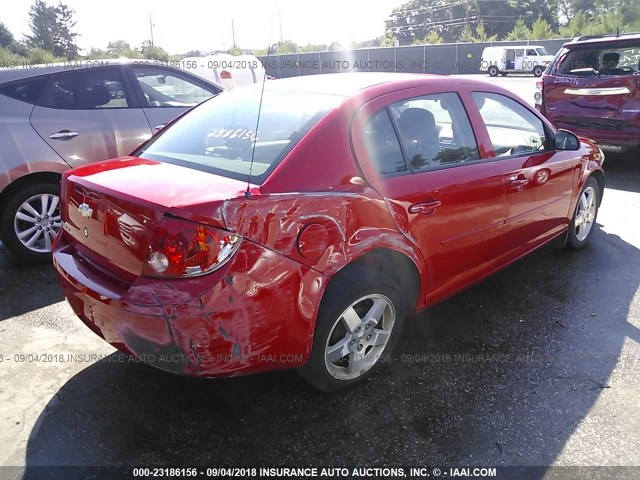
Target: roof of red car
(348,84)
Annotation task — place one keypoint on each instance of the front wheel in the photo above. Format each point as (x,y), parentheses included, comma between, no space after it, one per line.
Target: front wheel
(584,218)
(493,71)
(31,220)
(359,322)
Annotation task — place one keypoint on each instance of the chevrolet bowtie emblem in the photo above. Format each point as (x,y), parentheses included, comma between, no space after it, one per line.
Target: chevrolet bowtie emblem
(85,210)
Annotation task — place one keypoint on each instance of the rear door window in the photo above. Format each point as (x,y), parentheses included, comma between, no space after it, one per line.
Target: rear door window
(26,90)
(90,89)
(434,131)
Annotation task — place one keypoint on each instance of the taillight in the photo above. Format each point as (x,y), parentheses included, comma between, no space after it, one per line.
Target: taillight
(186,249)
(225,75)
(537,96)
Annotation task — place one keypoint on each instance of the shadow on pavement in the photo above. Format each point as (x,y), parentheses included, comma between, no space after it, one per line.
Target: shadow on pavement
(622,171)
(24,288)
(501,374)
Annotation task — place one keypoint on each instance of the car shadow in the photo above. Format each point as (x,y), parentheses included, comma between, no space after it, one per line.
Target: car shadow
(24,288)
(622,171)
(501,374)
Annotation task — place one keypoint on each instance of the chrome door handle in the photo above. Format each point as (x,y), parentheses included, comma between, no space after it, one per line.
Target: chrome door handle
(63,135)
(160,127)
(425,208)
(518,183)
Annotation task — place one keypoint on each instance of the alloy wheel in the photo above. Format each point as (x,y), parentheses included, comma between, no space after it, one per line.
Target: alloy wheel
(359,336)
(37,222)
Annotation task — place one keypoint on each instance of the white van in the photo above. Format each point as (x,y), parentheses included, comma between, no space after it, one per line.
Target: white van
(230,71)
(515,59)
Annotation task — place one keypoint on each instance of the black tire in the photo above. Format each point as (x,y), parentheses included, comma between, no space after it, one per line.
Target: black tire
(538,71)
(576,238)
(493,71)
(350,286)
(9,212)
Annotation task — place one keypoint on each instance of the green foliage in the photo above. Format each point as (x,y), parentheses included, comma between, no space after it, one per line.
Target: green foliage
(520,31)
(153,52)
(487,20)
(466,35)
(118,48)
(541,30)
(388,40)
(482,35)
(52,29)
(234,51)
(40,55)
(6,37)
(431,38)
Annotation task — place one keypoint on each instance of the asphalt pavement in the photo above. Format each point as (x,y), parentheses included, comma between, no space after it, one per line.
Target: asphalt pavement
(537,365)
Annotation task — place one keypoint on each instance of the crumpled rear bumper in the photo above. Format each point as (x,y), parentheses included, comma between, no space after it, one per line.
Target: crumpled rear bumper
(256,313)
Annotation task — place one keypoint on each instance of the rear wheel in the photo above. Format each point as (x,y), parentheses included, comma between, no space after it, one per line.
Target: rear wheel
(31,220)
(584,218)
(493,71)
(537,71)
(359,322)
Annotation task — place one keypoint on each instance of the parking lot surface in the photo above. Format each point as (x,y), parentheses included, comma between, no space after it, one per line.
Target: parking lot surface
(538,365)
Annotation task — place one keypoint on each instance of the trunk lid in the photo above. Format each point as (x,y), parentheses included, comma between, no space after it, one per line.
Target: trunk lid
(592,102)
(111,209)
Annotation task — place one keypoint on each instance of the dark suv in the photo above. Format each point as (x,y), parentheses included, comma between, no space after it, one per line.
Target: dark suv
(592,88)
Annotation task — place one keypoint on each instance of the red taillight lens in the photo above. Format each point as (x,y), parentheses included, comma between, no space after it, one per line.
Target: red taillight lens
(225,75)
(186,249)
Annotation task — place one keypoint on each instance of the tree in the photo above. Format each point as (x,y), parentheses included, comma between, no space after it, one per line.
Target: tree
(520,31)
(482,35)
(6,37)
(193,53)
(541,30)
(51,29)
(117,48)
(388,40)
(42,22)
(432,38)
(65,38)
(153,52)
(466,35)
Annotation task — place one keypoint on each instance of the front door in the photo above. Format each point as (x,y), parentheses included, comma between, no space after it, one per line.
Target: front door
(538,181)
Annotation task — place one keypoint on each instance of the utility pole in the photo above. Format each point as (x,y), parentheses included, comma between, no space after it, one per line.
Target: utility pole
(280,15)
(233,33)
(151,28)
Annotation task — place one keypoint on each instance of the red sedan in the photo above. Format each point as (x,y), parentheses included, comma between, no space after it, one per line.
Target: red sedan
(299,226)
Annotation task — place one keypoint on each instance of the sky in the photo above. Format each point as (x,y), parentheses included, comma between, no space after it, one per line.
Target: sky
(183,25)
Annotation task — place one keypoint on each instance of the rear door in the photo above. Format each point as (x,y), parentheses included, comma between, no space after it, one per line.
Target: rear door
(595,91)
(166,93)
(538,181)
(89,115)
(419,152)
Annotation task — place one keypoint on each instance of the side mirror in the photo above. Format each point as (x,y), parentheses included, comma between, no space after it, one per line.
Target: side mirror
(566,140)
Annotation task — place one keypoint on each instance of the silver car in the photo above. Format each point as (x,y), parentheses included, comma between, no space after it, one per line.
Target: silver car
(57,117)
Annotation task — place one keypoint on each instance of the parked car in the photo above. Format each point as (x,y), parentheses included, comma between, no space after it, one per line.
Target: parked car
(593,88)
(216,249)
(61,116)
(515,59)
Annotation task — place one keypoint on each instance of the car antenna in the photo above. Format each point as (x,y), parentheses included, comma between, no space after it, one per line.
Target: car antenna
(253,149)
(247,193)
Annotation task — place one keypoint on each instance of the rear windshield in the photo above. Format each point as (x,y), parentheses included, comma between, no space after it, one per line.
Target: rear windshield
(600,61)
(219,136)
